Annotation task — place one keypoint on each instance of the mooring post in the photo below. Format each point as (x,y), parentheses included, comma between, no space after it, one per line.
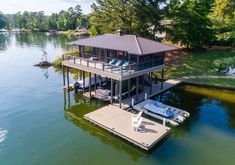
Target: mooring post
(146,96)
(132,102)
(164,121)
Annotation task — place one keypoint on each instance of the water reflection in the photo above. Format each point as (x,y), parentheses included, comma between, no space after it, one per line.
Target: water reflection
(211,106)
(76,106)
(4,40)
(29,39)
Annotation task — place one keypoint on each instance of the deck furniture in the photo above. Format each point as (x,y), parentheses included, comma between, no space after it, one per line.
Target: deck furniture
(138,126)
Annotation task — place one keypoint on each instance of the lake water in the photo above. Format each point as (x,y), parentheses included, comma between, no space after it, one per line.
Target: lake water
(42,124)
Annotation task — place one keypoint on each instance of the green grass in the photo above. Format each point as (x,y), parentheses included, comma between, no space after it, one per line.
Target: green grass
(199,65)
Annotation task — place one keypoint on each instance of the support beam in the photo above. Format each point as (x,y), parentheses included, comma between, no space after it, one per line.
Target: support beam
(67,73)
(162,80)
(142,83)
(83,81)
(137,88)
(111,91)
(129,87)
(95,82)
(80,74)
(120,94)
(63,70)
(89,84)
(151,83)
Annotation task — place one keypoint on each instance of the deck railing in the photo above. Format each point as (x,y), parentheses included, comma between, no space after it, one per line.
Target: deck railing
(100,65)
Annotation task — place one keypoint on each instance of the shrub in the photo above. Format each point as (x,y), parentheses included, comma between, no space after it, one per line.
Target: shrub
(224,63)
(58,61)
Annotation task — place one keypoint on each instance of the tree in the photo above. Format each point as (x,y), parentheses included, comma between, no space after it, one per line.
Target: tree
(132,16)
(223,19)
(190,23)
(3,21)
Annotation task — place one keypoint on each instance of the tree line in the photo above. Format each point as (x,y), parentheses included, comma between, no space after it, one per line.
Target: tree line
(192,23)
(38,21)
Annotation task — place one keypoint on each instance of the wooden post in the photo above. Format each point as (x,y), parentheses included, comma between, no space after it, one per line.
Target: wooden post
(111,91)
(63,70)
(83,81)
(95,82)
(138,62)
(137,88)
(120,94)
(129,87)
(143,83)
(129,61)
(80,74)
(67,71)
(151,83)
(162,79)
(89,84)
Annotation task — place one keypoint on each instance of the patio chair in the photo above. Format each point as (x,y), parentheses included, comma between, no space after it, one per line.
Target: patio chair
(109,65)
(138,126)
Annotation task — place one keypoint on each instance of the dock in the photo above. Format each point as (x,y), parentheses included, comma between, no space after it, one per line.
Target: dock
(156,89)
(118,122)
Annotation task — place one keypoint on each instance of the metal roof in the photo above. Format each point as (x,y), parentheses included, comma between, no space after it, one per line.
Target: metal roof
(128,43)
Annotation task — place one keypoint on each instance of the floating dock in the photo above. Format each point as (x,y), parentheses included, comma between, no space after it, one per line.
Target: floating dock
(118,122)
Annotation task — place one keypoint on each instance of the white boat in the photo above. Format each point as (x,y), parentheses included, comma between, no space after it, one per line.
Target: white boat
(162,112)
(158,109)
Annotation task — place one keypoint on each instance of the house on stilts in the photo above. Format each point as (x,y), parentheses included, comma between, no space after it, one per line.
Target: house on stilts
(126,61)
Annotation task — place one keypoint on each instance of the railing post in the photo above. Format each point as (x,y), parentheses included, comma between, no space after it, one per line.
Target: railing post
(121,70)
(87,63)
(103,67)
(74,60)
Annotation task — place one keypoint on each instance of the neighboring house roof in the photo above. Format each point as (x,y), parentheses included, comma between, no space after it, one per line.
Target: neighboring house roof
(128,43)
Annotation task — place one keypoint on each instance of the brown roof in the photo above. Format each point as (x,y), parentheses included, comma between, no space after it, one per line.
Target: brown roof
(129,43)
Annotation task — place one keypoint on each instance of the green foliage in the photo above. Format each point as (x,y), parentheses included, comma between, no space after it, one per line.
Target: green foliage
(133,17)
(38,21)
(223,19)
(224,63)
(58,62)
(3,22)
(190,26)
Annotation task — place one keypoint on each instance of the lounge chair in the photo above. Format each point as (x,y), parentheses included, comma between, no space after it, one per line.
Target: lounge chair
(138,125)
(124,66)
(109,65)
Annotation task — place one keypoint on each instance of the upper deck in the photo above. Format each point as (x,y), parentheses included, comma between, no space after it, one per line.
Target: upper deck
(116,72)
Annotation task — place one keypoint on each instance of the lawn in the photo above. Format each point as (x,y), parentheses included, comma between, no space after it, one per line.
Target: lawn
(199,65)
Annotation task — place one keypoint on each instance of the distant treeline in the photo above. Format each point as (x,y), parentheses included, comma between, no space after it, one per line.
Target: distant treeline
(38,21)
(191,23)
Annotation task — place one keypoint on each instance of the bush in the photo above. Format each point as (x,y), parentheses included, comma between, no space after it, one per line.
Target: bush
(224,63)
(58,61)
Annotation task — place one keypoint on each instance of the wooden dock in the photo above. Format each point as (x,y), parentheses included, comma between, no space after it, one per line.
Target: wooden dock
(118,122)
(156,89)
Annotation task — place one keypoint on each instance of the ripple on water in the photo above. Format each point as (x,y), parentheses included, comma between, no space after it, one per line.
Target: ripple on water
(3,135)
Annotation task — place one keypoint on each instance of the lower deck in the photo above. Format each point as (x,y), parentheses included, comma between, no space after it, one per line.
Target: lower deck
(118,122)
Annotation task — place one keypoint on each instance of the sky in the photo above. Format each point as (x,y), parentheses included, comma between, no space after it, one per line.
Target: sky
(49,6)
